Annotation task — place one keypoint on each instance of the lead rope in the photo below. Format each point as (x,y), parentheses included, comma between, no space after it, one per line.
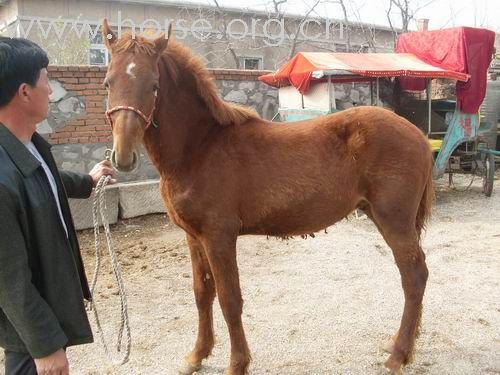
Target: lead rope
(99,207)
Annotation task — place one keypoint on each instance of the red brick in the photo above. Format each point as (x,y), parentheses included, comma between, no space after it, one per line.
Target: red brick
(82,134)
(94,69)
(85,128)
(93,86)
(72,87)
(65,129)
(83,80)
(60,135)
(68,79)
(103,133)
(103,127)
(95,110)
(95,97)
(90,74)
(90,92)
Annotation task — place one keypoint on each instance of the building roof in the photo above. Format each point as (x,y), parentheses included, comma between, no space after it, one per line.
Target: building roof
(233,9)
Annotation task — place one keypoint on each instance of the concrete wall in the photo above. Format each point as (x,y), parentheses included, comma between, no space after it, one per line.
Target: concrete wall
(123,201)
(213,47)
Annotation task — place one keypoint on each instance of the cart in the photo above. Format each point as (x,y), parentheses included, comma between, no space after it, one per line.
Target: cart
(461,141)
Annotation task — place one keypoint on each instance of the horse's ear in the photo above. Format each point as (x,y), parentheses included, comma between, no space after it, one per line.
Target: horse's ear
(162,41)
(108,35)
(160,44)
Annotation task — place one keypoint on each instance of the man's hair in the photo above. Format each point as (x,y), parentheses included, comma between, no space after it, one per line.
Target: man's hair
(21,61)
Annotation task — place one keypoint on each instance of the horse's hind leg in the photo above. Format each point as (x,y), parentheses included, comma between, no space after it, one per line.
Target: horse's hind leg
(204,291)
(400,234)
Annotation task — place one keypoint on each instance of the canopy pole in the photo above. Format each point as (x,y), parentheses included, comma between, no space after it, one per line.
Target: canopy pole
(371,93)
(330,93)
(378,91)
(429,102)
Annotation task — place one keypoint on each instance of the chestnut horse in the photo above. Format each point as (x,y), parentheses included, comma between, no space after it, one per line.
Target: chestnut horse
(225,172)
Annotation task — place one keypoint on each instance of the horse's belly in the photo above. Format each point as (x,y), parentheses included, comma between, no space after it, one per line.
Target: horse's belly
(297,219)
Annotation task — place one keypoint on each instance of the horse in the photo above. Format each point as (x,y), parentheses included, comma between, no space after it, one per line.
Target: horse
(226,172)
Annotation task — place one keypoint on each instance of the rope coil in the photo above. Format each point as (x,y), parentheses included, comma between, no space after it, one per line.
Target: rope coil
(99,208)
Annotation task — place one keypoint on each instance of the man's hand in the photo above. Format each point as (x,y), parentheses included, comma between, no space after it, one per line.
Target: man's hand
(104,168)
(54,364)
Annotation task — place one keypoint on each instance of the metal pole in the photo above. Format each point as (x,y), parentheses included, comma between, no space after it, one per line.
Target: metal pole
(330,94)
(371,93)
(429,102)
(378,91)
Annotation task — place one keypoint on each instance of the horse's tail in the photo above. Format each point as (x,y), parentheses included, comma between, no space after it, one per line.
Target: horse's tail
(425,206)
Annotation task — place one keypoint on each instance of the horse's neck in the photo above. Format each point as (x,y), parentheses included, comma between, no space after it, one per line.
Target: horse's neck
(183,125)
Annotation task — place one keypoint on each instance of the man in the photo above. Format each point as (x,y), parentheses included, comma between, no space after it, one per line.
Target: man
(42,280)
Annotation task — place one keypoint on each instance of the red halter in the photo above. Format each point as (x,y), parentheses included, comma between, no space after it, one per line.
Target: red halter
(147,120)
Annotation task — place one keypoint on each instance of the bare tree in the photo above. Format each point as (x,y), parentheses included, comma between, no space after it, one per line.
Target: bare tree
(286,35)
(346,25)
(64,47)
(226,37)
(406,10)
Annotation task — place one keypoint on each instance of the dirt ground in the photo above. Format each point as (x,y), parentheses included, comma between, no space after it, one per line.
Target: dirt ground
(324,305)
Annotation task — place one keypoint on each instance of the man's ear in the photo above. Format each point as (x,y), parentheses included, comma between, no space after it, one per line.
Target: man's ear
(24,92)
(108,35)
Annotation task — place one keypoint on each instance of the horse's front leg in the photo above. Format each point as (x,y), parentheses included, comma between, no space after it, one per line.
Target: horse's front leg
(221,253)
(204,292)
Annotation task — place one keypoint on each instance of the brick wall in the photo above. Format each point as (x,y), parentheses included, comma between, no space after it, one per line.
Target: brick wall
(85,84)
(76,124)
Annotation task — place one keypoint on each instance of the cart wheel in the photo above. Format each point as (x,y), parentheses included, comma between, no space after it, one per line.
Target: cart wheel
(489,174)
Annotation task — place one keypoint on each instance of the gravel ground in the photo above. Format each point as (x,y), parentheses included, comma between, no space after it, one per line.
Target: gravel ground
(324,305)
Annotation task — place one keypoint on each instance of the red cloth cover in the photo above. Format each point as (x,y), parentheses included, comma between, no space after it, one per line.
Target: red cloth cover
(350,67)
(460,49)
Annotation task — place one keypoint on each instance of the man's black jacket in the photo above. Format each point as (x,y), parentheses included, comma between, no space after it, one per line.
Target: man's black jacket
(42,280)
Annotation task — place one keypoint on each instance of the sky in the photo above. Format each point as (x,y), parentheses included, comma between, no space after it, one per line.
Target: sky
(442,13)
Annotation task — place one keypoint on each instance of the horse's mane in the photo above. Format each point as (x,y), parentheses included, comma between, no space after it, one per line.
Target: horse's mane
(138,44)
(177,58)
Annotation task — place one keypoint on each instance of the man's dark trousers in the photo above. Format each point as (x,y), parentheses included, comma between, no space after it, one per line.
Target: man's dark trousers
(19,364)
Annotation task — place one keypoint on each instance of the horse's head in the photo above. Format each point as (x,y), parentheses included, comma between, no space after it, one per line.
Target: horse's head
(132,82)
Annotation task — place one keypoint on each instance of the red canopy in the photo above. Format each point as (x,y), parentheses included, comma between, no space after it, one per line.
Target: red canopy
(306,66)
(461,49)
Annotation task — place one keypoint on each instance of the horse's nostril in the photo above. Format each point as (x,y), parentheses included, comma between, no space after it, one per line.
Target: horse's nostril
(113,158)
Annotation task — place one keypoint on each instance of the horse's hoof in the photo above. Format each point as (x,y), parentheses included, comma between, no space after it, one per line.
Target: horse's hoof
(388,347)
(189,368)
(390,344)
(393,366)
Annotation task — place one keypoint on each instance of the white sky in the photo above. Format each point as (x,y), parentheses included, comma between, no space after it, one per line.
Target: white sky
(442,13)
